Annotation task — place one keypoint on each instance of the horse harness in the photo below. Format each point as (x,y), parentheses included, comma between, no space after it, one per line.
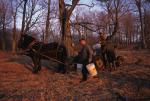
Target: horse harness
(30,47)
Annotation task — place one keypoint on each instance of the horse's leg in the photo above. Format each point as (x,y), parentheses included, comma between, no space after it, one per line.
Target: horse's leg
(35,62)
(62,68)
(62,56)
(39,64)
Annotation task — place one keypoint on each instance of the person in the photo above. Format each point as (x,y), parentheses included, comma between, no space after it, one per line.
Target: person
(108,51)
(102,40)
(85,57)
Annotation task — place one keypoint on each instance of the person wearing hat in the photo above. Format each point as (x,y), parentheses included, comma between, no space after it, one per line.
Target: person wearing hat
(85,57)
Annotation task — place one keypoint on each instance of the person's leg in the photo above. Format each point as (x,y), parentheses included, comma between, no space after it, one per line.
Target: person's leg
(84,73)
(64,68)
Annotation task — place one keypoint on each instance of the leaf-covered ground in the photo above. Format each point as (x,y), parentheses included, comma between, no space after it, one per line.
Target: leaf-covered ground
(130,82)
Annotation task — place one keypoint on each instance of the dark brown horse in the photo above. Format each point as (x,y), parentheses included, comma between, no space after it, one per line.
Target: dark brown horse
(38,50)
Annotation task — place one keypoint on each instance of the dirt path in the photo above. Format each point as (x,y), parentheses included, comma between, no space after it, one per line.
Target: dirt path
(130,82)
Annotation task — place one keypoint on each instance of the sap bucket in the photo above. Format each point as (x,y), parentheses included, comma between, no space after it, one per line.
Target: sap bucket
(91,69)
(79,67)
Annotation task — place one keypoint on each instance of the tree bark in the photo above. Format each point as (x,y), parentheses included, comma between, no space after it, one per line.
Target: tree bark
(64,15)
(142,30)
(14,43)
(139,6)
(4,32)
(23,17)
(47,22)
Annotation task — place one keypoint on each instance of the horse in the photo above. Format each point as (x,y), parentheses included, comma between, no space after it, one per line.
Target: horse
(39,50)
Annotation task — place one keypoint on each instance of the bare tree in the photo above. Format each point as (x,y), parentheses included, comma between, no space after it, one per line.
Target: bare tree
(138,4)
(147,22)
(115,9)
(31,15)
(5,20)
(23,17)
(64,15)
(128,27)
(47,21)
(15,4)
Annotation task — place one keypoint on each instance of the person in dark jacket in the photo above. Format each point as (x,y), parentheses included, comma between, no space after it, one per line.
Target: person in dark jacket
(85,57)
(108,51)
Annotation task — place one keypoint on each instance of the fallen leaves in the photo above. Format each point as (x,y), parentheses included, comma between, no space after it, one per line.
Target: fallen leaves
(18,83)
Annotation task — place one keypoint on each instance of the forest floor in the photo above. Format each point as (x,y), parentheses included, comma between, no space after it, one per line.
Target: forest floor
(130,82)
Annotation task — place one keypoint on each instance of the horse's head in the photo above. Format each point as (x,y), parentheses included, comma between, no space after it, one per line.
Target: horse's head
(24,41)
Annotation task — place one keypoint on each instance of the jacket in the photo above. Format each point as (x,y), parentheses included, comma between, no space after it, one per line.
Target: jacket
(85,54)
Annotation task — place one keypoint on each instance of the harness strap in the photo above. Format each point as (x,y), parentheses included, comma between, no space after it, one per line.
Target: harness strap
(25,51)
(31,44)
(30,47)
(55,60)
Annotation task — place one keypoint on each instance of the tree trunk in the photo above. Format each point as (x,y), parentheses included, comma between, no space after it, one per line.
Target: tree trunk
(47,22)
(23,17)
(139,6)
(64,14)
(66,34)
(14,43)
(4,33)
(4,40)
(68,38)
(146,27)
(142,29)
